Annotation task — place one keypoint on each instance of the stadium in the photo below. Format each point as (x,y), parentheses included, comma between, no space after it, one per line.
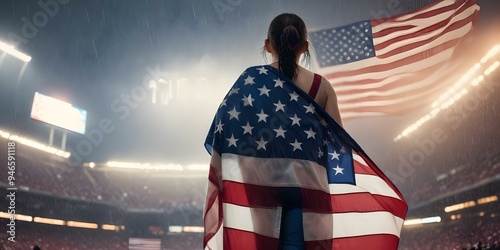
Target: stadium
(106,106)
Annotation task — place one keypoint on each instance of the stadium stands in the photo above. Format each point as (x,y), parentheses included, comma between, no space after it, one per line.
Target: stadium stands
(459,234)
(62,238)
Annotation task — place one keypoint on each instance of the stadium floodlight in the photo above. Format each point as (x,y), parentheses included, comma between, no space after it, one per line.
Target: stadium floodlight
(109,227)
(458,90)
(82,224)
(9,49)
(488,199)
(49,221)
(459,206)
(34,144)
(419,221)
(19,217)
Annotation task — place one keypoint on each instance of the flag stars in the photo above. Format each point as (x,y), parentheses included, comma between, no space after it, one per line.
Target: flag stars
(262,70)
(248,100)
(232,141)
(218,127)
(279,106)
(264,91)
(320,153)
(249,80)
(279,83)
(262,116)
(310,133)
(233,114)
(261,144)
(294,96)
(223,103)
(295,120)
(310,108)
(280,132)
(338,170)
(323,122)
(334,155)
(247,129)
(234,91)
(296,145)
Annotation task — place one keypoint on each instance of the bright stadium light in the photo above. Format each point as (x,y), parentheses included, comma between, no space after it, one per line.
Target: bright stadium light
(488,199)
(457,91)
(419,221)
(82,224)
(109,227)
(9,49)
(19,217)
(149,166)
(493,51)
(49,221)
(34,144)
(459,206)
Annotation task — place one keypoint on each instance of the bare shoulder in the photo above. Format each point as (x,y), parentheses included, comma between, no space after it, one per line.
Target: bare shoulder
(327,86)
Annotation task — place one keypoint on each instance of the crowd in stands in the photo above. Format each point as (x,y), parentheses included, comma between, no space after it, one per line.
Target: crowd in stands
(482,169)
(183,241)
(49,237)
(465,234)
(128,188)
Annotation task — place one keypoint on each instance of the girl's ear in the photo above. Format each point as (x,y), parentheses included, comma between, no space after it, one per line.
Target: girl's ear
(267,46)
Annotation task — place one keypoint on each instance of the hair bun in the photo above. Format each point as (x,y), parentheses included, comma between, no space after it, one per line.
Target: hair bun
(290,37)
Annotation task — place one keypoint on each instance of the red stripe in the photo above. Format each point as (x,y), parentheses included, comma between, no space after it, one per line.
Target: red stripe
(360,168)
(423,15)
(372,242)
(366,202)
(456,25)
(210,199)
(235,239)
(312,200)
(250,195)
(210,203)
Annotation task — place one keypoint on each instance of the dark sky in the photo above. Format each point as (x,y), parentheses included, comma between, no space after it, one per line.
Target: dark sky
(92,53)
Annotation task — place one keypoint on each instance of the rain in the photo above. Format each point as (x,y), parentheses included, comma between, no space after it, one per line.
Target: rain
(150,76)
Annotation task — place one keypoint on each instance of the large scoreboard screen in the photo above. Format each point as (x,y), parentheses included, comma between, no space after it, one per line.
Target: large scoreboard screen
(58,113)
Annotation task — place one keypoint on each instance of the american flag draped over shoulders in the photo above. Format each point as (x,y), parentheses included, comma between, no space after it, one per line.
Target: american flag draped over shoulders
(391,66)
(267,134)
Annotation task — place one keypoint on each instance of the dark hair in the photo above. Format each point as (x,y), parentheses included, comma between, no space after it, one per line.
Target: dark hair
(287,34)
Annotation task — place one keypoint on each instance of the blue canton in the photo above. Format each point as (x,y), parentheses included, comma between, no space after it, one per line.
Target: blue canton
(344,44)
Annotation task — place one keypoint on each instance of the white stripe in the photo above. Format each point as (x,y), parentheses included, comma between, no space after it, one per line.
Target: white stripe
(217,241)
(365,183)
(424,83)
(359,159)
(350,224)
(350,115)
(345,105)
(416,66)
(259,220)
(274,172)
(463,15)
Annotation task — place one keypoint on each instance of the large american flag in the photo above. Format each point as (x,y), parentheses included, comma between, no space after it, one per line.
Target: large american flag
(390,66)
(268,134)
